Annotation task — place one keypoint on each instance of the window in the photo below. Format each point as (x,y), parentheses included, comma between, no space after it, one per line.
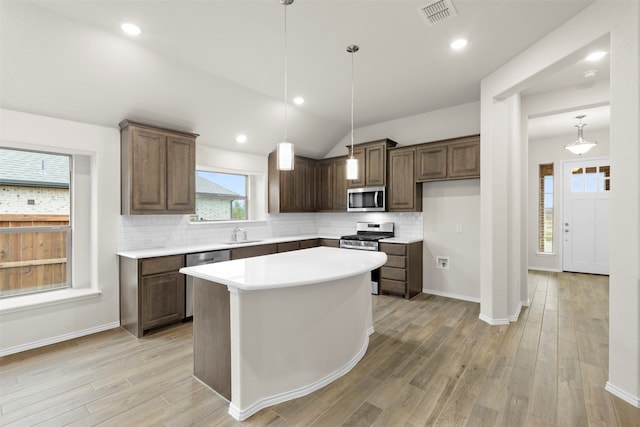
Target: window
(545,209)
(221,196)
(35,231)
(591,179)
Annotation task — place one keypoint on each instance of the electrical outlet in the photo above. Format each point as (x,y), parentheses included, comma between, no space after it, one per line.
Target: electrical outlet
(458,228)
(442,262)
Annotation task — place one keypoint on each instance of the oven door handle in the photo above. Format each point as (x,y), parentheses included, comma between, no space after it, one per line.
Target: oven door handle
(375,199)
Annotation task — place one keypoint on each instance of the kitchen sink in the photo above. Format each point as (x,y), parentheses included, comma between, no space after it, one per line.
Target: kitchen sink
(240,242)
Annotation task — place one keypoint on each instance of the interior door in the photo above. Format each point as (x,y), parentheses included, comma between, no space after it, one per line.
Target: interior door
(585,227)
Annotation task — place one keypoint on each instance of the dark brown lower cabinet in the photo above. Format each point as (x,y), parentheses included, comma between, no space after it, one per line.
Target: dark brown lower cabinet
(332,243)
(402,273)
(251,251)
(152,293)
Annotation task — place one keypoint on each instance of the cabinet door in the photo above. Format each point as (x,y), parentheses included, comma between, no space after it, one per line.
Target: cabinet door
(404,194)
(431,162)
(148,174)
(162,299)
(324,185)
(375,165)
(339,168)
(251,251)
(358,153)
(464,158)
(287,191)
(309,195)
(181,182)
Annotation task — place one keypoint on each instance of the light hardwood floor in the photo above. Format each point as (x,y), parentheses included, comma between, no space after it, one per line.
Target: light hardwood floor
(430,362)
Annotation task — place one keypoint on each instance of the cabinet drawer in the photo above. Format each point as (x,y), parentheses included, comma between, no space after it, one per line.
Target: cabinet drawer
(288,246)
(393,249)
(251,251)
(161,265)
(396,261)
(311,243)
(393,273)
(332,243)
(392,286)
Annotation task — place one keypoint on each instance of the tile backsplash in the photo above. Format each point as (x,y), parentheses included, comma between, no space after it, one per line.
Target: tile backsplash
(157,231)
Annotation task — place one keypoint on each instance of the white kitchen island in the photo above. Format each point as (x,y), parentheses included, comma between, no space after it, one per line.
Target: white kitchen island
(273,328)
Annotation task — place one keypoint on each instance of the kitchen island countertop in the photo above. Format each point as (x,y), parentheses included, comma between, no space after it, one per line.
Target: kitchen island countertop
(289,269)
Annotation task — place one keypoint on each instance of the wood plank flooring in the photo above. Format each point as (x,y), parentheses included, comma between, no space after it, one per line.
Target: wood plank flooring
(430,362)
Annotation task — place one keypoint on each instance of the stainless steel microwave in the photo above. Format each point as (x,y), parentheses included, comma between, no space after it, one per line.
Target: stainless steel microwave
(368,199)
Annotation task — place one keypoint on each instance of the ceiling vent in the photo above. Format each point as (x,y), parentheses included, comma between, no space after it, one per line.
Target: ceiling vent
(437,11)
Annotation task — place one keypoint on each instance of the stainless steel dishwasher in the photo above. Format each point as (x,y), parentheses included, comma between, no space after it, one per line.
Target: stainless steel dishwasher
(201,258)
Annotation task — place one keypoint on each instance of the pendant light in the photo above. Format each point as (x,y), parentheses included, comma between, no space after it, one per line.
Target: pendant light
(580,146)
(352,162)
(284,150)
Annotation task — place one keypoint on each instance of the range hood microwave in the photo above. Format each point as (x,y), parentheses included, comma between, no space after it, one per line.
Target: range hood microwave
(367,199)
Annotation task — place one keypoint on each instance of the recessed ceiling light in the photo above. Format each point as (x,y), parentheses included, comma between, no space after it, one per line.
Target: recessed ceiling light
(298,100)
(241,139)
(595,56)
(131,29)
(458,44)
(589,73)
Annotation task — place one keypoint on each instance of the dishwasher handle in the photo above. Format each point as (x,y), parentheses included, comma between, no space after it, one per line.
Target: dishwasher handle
(207,257)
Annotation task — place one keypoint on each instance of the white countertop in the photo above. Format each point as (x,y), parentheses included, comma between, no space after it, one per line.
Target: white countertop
(189,249)
(289,269)
(401,240)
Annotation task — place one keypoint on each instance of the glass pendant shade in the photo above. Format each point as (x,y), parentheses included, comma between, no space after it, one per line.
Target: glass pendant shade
(285,156)
(580,146)
(352,168)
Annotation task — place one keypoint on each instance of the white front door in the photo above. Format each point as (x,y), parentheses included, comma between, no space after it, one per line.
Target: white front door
(585,227)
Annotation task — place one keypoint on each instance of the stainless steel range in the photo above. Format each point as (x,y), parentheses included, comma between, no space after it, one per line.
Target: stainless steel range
(366,239)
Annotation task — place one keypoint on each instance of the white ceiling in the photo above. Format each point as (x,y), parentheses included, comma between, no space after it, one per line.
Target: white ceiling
(216,67)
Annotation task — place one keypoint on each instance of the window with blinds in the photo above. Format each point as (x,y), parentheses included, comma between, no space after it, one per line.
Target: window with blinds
(545,209)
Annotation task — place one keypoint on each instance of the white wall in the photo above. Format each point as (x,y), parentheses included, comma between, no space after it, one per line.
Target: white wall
(620,20)
(551,150)
(461,120)
(450,206)
(31,321)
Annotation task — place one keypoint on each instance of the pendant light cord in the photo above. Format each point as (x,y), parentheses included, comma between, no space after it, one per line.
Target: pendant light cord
(285,73)
(352,96)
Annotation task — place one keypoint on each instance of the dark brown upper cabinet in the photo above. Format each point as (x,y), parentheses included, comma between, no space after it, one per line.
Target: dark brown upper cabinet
(295,190)
(157,170)
(372,163)
(457,158)
(331,185)
(403,193)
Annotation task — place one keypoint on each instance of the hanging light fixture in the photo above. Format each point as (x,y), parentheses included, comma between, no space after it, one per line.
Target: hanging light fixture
(352,162)
(580,146)
(284,150)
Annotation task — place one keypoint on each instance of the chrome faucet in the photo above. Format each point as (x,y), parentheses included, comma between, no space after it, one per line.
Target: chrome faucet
(234,234)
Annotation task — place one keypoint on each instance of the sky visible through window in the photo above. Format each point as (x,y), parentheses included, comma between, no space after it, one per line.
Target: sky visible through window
(235,183)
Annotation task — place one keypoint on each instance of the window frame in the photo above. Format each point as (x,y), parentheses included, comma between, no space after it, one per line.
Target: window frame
(545,170)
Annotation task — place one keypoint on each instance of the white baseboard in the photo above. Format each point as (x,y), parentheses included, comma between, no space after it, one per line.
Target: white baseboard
(633,400)
(509,319)
(59,338)
(451,295)
(244,413)
(516,315)
(494,322)
(551,270)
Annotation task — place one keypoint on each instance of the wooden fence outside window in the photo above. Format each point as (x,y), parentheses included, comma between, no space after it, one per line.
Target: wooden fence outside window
(35,258)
